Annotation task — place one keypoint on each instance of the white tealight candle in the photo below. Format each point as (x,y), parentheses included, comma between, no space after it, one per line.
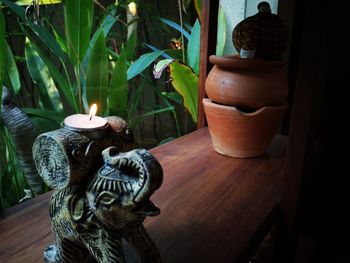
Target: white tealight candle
(85,122)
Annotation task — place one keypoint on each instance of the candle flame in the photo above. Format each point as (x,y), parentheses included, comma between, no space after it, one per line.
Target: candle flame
(93,110)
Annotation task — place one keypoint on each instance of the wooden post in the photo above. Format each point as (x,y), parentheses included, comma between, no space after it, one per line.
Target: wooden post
(207,47)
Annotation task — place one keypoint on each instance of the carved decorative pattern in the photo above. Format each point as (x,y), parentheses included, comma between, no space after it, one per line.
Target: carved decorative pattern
(101,194)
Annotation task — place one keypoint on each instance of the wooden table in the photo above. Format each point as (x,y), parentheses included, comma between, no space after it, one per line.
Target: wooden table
(211,205)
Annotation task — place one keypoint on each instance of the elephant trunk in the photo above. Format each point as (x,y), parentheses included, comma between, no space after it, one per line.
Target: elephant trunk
(23,134)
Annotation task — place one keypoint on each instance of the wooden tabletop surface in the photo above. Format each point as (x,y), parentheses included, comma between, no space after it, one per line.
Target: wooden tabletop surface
(210,205)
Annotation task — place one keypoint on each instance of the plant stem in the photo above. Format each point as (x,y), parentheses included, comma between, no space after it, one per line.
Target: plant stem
(107,11)
(182,35)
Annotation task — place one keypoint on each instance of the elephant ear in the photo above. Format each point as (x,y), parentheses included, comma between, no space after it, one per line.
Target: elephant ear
(76,207)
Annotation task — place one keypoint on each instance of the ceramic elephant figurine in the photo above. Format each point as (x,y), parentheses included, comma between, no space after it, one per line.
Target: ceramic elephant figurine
(89,224)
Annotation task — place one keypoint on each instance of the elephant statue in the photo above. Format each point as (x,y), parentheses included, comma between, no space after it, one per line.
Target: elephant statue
(23,134)
(89,223)
(69,158)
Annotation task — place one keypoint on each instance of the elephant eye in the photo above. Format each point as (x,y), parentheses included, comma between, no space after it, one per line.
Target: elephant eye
(128,132)
(105,198)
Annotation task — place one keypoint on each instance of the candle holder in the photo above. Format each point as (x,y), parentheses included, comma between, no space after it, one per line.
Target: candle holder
(101,194)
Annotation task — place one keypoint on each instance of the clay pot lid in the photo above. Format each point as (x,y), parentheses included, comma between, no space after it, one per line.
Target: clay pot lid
(236,62)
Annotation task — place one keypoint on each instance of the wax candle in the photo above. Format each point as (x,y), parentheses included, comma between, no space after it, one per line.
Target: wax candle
(86,122)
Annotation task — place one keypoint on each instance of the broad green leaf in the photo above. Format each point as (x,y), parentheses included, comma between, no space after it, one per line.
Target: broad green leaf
(38,29)
(104,27)
(108,21)
(221,35)
(40,2)
(50,115)
(12,71)
(176,26)
(40,74)
(44,125)
(198,6)
(168,53)
(78,15)
(97,75)
(60,39)
(63,84)
(118,88)
(20,11)
(48,39)
(174,96)
(186,83)
(142,63)
(2,49)
(193,48)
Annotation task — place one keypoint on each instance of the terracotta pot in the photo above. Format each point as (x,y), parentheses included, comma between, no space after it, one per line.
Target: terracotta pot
(239,134)
(251,83)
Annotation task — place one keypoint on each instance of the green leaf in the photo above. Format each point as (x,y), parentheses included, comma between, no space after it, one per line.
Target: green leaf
(50,115)
(174,96)
(12,71)
(153,112)
(193,48)
(118,88)
(44,125)
(48,39)
(186,83)
(168,53)
(38,29)
(166,102)
(63,84)
(221,35)
(12,180)
(97,75)
(60,39)
(135,102)
(176,26)
(42,79)
(142,63)
(2,49)
(104,27)
(78,15)
(198,6)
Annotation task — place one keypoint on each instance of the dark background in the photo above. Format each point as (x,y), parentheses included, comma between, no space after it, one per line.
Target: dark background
(319,74)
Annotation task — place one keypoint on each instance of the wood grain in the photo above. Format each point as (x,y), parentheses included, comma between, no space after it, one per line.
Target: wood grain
(211,205)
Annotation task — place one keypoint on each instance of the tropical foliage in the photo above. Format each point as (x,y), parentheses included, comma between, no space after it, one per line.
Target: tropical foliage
(79,52)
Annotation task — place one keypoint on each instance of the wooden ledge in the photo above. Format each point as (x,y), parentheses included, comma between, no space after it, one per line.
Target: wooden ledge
(211,205)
